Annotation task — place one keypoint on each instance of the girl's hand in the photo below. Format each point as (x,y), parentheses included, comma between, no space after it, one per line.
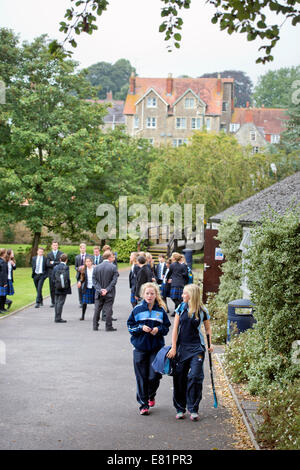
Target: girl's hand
(78,284)
(147,329)
(171,353)
(210,350)
(154,331)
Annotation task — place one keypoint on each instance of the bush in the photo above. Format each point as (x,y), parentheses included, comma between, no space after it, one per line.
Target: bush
(218,315)
(238,357)
(281,418)
(230,235)
(124,248)
(275,286)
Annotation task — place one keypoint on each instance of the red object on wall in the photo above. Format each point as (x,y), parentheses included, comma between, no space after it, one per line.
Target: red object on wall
(212,271)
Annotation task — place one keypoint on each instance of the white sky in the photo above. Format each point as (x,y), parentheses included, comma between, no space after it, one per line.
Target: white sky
(129,29)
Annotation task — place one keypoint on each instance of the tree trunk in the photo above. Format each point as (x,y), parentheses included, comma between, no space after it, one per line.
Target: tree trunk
(35,243)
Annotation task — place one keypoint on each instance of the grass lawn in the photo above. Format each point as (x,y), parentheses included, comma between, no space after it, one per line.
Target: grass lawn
(25,292)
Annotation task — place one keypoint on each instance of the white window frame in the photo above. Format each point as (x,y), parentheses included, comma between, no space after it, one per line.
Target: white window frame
(194,123)
(151,122)
(179,142)
(275,138)
(152,102)
(189,103)
(234,126)
(252,136)
(136,122)
(181,121)
(208,123)
(225,106)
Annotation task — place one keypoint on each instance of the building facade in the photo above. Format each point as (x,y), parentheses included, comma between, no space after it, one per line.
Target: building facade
(169,110)
(258,127)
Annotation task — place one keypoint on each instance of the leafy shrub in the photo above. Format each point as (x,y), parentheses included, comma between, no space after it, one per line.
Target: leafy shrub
(230,235)
(275,286)
(22,257)
(218,315)
(124,248)
(281,417)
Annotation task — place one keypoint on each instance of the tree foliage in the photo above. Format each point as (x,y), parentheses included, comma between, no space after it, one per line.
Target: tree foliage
(274,89)
(242,85)
(111,77)
(56,164)
(214,170)
(245,17)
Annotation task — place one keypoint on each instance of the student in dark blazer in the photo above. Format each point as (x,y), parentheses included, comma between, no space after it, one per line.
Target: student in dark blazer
(52,260)
(39,274)
(61,292)
(97,258)
(160,269)
(144,275)
(11,266)
(178,273)
(105,277)
(132,276)
(3,279)
(79,263)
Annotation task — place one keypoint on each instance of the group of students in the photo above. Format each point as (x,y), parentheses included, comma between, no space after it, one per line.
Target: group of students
(171,275)
(55,267)
(7,267)
(148,324)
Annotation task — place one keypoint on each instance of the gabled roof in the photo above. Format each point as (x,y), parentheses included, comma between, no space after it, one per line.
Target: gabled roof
(280,196)
(270,119)
(115,112)
(205,88)
(147,93)
(189,90)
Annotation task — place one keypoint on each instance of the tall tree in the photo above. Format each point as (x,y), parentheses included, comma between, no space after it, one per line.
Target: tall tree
(111,77)
(242,86)
(213,170)
(50,144)
(236,16)
(274,88)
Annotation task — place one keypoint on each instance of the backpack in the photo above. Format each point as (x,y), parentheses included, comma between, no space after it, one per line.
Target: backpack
(61,278)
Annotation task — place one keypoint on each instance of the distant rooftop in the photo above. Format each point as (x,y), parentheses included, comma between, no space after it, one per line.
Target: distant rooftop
(280,196)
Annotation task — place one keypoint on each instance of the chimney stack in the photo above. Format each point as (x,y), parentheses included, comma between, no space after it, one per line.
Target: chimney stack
(219,84)
(169,84)
(132,84)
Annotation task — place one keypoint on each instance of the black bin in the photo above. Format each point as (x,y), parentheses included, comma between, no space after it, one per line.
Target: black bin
(240,314)
(188,256)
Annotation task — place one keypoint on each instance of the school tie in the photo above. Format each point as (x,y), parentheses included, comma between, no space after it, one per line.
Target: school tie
(82,259)
(159,271)
(39,262)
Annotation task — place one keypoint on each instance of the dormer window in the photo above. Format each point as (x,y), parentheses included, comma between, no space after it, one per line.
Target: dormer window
(189,103)
(151,102)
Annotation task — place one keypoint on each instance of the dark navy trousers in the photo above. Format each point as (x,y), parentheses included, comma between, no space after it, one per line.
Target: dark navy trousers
(187,381)
(147,380)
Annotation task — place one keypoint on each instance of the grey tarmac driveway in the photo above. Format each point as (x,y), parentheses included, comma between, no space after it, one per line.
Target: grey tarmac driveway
(65,386)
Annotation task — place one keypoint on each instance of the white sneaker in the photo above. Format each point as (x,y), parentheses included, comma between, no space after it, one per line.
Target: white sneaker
(194,416)
(180,415)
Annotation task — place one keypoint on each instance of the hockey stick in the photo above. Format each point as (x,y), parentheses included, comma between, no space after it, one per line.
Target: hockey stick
(211,375)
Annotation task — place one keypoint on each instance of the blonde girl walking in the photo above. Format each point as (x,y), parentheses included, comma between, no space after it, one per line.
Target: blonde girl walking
(188,349)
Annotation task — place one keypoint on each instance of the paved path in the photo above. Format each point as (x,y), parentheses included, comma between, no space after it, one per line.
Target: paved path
(65,386)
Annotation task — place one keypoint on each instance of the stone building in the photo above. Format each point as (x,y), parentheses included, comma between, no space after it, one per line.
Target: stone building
(169,110)
(279,197)
(114,116)
(258,127)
